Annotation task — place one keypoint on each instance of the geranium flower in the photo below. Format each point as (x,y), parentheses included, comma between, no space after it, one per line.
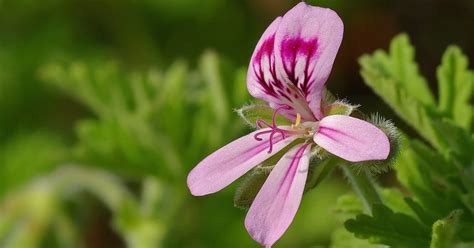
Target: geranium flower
(288,70)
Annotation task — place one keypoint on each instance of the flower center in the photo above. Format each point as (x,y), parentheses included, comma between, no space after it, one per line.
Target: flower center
(305,129)
(273,128)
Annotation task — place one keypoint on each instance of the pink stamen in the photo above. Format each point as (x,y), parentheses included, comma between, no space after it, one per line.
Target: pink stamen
(274,129)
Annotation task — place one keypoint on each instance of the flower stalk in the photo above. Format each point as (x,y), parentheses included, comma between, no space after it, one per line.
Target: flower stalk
(363,184)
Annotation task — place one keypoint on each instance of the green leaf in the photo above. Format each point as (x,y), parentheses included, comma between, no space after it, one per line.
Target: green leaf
(348,206)
(253,112)
(419,170)
(209,68)
(394,199)
(394,77)
(239,92)
(127,146)
(424,216)
(25,156)
(456,87)
(170,98)
(444,231)
(389,228)
(341,238)
(400,66)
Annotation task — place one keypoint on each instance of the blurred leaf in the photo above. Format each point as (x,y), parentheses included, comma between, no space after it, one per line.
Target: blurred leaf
(239,93)
(27,214)
(394,199)
(341,238)
(444,231)
(127,146)
(147,121)
(209,66)
(25,156)
(387,227)
(416,170)
(348,206)
(424,216)
(456,87)
(170,101)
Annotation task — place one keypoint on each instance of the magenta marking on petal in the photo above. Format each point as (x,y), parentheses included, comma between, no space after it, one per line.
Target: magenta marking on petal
(352,139)
(293,167)
(293,50)
(267,51)
(278,200)
(269,80)
(324,130)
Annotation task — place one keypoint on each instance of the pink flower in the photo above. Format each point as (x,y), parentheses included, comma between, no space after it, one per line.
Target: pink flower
(288,69)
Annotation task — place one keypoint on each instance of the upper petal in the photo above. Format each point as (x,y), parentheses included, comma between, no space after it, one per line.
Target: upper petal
(352,139)
(230,162)
(263,81)
(293,59)
(306,45)
(278,200)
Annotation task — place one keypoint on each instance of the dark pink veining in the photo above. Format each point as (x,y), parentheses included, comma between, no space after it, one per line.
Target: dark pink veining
(293,51)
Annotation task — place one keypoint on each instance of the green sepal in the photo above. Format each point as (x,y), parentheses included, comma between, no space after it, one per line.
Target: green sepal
(252,112)
(339,107)
(249,187)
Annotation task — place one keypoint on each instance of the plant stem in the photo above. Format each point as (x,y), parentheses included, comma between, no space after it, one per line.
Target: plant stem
(363,185)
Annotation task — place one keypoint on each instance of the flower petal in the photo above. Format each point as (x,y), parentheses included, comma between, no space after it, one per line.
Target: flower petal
(276,204)
(293,59)
(352,139)
(306,45)
(230,162)
(262,78)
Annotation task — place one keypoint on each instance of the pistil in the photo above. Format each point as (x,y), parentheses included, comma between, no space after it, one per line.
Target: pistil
(273,128)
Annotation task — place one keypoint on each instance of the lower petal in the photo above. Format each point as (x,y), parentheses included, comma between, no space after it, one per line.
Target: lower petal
(352,139)
(276,204)
(232,161)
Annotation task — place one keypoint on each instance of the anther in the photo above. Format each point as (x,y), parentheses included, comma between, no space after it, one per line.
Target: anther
(297,121)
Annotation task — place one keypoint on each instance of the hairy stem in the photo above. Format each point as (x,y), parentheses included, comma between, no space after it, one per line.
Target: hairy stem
(363,185)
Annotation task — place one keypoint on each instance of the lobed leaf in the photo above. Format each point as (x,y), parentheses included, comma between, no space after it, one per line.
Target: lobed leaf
(445,230)
(456,87)
(389,228)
